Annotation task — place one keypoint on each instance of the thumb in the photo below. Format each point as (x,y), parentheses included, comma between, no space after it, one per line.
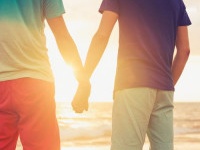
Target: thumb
(86,107)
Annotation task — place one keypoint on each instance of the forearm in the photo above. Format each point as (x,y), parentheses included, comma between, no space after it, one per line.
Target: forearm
(69,52)
(65,43)
(95,52)
(70,55)
(183,51)
(178,65)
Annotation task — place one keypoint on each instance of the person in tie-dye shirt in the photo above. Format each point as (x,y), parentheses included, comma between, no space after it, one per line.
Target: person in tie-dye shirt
(27,105)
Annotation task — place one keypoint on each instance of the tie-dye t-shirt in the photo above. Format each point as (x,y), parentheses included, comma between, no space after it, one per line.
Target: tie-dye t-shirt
(23,51)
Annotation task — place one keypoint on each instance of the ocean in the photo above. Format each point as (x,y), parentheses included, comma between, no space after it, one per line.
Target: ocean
(91,130)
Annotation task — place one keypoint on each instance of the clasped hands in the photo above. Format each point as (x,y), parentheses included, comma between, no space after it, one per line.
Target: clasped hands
(80,100)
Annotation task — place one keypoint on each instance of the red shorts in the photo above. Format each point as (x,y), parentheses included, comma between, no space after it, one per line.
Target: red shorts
(27,109)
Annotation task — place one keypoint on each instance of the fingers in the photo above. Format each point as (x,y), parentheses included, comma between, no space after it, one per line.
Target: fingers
(86,108)
(79,108)
(80,101)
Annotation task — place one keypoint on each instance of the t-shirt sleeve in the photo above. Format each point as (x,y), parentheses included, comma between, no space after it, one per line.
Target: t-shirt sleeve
(53,8)
(109,5)
(184,19)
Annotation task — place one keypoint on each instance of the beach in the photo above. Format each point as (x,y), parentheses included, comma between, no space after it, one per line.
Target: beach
(186,127)
(92,130)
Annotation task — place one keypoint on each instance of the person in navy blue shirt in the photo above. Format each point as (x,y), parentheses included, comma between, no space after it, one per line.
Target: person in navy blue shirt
(153,51)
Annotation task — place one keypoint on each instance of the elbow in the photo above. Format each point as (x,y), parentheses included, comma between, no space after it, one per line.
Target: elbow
(187,52)
(184,52)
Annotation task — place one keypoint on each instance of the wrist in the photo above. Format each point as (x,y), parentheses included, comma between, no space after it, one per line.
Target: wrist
(81,76)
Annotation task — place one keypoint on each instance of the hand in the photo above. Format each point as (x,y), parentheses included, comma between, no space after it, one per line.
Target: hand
(80,101)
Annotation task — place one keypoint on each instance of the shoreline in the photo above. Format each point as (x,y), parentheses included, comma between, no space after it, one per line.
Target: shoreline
(190,145)
(186,127)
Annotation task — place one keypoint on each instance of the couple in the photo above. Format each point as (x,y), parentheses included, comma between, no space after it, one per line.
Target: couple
(147,70)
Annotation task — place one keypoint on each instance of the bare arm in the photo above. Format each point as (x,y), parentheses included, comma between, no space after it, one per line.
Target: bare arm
(96,49)
(99,41)
(65,43)
(183,51)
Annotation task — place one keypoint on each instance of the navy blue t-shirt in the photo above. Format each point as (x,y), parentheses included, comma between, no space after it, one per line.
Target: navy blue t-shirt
(147,34)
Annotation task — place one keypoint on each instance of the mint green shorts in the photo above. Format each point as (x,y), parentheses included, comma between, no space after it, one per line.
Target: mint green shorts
(141,111)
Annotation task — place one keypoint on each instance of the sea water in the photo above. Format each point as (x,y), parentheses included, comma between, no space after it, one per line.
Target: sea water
(91,127)
(94,126)
(91,130)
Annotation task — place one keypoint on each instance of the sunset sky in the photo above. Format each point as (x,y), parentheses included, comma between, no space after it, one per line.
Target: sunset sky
(82,19)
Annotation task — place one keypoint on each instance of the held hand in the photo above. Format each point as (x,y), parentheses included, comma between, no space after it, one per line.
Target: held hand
(80,101)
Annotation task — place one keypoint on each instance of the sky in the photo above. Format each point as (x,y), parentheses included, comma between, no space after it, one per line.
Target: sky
(82,19)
